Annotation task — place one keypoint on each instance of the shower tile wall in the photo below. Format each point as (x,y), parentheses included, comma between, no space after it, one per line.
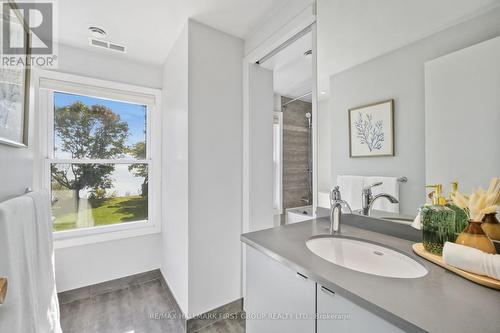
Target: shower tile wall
(295,153)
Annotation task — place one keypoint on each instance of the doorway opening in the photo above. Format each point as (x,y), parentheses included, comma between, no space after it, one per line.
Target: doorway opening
(292,72)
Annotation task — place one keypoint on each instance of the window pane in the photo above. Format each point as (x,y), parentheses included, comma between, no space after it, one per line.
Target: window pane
(88,195)
(94,128)
(277,165)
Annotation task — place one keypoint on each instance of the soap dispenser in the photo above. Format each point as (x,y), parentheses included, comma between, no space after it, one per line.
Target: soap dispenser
(438,222)
(461,217)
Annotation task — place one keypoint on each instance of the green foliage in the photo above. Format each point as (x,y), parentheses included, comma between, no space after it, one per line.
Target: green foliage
(90,132)
(103,211)
(438,227)
(94,132)
(461,217)
(79,176)
(138,150)
(98,193)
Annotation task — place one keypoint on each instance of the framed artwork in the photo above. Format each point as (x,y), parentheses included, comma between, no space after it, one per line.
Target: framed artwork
(371,130)
(14,88)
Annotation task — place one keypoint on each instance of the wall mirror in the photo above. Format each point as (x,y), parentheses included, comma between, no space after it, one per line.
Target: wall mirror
(438,63)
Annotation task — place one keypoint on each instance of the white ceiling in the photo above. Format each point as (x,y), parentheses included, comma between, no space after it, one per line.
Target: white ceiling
(148,28)
(349,32)
(355,31)
(292,71)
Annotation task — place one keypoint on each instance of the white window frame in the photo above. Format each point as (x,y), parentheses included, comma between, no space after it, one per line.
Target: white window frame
(278,146)
(46,83)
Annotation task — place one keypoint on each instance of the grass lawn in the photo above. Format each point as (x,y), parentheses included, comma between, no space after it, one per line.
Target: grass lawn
(100,212)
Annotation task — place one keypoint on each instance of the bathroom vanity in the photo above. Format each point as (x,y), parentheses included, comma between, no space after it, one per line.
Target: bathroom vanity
(284,300)
(296,282)
(291,289)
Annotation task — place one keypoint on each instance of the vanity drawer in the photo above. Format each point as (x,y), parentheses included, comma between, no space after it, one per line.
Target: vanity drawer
(338,314)
(278,300)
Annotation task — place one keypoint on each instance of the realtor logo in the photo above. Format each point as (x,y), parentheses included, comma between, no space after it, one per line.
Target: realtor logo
(27,37)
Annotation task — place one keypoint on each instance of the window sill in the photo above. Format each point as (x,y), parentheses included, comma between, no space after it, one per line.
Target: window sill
(72,238)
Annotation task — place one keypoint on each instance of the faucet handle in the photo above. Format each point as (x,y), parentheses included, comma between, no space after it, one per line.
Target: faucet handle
(335,194)
(369,187)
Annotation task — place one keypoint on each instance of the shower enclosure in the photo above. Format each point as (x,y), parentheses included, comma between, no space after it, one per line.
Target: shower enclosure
(297,157)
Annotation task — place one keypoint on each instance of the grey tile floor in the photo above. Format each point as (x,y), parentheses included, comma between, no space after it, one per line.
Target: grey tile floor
(132,310)
(223,326)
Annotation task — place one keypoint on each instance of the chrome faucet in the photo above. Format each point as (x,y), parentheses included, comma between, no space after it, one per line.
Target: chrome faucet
(368,199)
(336,204)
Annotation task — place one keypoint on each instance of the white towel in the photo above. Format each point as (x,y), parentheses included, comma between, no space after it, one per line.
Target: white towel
(472,260)
(324,199)
(350,190)
(45,289)
(417,223)
(16,248)
(27,261)
(390,186)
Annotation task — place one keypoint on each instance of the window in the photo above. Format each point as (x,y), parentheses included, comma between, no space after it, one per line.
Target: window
(99,157)
(277,161)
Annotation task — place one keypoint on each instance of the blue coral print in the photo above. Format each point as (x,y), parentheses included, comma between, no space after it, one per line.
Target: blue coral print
(369,133)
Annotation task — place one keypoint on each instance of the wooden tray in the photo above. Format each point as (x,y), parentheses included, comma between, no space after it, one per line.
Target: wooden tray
(418,248)
(3,289)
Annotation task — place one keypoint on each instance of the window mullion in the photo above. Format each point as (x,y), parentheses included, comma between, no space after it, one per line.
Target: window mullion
(50,124)
(97,161)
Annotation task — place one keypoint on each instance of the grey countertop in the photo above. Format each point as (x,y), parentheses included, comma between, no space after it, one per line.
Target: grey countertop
(438,302)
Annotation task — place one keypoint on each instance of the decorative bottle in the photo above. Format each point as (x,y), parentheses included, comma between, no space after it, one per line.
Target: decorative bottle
(438,222)
(461,217)
(491,226)
(474,236)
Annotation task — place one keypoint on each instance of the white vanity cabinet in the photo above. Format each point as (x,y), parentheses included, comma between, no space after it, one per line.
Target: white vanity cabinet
(280,300)
(338,314)
(277,297)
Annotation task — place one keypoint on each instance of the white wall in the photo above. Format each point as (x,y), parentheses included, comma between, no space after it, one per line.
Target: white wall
(202,226)
(462,116)
(110,66)
(85,265)
(324,158)
(278,22)
(277,102)
(89,264)
(16,170)
(175,170)
(398,75)
(276,108)
(215,167)
(16,164)
(261,148)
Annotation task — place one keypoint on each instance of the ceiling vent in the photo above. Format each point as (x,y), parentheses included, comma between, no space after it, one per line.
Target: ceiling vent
(97,32)
(103,44)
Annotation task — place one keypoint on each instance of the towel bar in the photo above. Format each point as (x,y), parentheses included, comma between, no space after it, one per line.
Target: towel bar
(3,289)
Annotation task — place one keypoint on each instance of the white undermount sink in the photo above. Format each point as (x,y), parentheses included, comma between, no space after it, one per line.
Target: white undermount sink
(365,257)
